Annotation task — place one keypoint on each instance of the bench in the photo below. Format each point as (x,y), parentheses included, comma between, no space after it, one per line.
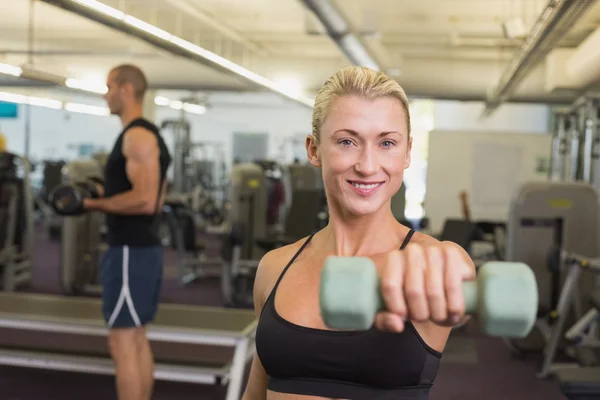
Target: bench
(69,334)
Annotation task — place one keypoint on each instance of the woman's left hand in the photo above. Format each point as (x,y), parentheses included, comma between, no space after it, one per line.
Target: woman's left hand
(422,283)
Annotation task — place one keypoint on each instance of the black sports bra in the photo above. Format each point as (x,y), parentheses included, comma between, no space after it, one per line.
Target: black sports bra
(355,365)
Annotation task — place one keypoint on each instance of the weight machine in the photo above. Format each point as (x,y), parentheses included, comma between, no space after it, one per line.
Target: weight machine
(16,219)
(576,141)
(575,154)
(198,167)
(81,246)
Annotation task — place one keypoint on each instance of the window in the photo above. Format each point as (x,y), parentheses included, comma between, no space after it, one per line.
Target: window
(422,121)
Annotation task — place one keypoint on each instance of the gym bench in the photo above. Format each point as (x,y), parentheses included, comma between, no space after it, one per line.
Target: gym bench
(45,316)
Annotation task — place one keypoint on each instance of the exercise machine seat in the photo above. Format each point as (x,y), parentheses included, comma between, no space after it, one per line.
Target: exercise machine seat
(459,231)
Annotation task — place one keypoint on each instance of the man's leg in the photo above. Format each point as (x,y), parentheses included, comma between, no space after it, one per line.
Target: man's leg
(123,322)
(125,353)
(146,360)
(146,280)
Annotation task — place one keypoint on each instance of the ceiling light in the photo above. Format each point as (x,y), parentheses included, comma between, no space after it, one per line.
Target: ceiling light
(177,105)
(290,86)
(103,8)
(41,102)
(10,70)
(147,27)
(87,109)
(161,101)
(34,101)
(13,98)
(88,86)
(53,104)
(194,108)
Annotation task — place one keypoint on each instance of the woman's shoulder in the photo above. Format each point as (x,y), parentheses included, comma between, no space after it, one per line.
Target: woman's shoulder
(423,238)
(272,264)
(282,254)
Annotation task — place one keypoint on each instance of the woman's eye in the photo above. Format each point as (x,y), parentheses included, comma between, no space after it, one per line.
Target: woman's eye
(346,142)
(387,143)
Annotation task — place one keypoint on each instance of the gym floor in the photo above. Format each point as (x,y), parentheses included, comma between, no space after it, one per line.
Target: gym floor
(473,366)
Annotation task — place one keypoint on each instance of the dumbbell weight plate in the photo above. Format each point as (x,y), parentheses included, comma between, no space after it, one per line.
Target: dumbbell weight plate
(89,189)
(67,200)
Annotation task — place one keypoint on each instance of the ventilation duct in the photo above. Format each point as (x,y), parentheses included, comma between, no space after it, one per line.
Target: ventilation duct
(556,20)
(582,66)
(339,30)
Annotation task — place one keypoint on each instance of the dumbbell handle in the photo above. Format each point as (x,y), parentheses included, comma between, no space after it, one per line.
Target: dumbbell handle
(469,289)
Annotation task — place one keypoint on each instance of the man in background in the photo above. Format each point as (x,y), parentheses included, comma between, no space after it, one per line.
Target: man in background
(132,267)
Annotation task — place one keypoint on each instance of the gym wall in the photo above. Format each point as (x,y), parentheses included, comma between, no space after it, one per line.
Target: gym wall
(488,165)
(52,131)
(246,113)
(509,117)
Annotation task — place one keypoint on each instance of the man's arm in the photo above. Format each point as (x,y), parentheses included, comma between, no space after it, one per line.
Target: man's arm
(141,151)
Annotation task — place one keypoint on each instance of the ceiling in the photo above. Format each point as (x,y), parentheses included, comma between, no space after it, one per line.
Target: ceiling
(453,49)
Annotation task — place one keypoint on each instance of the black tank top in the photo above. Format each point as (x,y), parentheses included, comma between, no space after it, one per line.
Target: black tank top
(131,230)
(355,365)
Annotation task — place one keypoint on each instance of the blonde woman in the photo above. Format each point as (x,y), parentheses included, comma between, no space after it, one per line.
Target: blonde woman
(361,141)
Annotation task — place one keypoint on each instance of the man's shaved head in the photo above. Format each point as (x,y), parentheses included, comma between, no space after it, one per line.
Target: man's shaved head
(127,73)
(127,86)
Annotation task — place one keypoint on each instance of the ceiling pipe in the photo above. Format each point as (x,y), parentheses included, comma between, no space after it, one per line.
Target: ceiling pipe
(340,31)
(558,17)
(115,19)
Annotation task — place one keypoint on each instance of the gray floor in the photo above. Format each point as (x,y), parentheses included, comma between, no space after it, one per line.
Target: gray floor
(476,367)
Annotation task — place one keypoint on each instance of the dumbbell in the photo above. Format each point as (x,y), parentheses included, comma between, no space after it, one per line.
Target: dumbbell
(504,298)
(67,199)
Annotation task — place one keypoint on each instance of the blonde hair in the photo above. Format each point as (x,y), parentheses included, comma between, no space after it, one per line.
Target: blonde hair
(358,81)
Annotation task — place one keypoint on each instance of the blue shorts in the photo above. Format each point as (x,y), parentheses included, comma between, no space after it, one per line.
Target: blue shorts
(131,280)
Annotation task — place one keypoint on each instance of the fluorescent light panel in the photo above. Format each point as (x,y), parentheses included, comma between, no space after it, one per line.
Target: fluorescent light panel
(161,101)
(179,105)
(87,109)
(42,102)
(10,70)
(53,104)
(103,8)
(175,104)
(194,108)
(147,27)
(93,87)
(34,101)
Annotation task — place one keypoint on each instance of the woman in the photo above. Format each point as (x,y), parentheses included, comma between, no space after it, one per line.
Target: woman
(361,141)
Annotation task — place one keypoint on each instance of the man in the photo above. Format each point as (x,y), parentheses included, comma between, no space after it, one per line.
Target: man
(131,270)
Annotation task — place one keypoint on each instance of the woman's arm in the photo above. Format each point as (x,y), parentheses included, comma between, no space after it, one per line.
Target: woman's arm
(257,382)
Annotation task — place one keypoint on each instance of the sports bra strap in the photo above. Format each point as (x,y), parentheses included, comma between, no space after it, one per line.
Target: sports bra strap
(292,261)
(407,239)
(404,244)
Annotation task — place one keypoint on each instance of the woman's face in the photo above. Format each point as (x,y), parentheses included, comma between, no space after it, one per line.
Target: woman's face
(363,151)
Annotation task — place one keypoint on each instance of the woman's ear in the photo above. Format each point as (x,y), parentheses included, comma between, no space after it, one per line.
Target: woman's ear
(312,151)
(408,157)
